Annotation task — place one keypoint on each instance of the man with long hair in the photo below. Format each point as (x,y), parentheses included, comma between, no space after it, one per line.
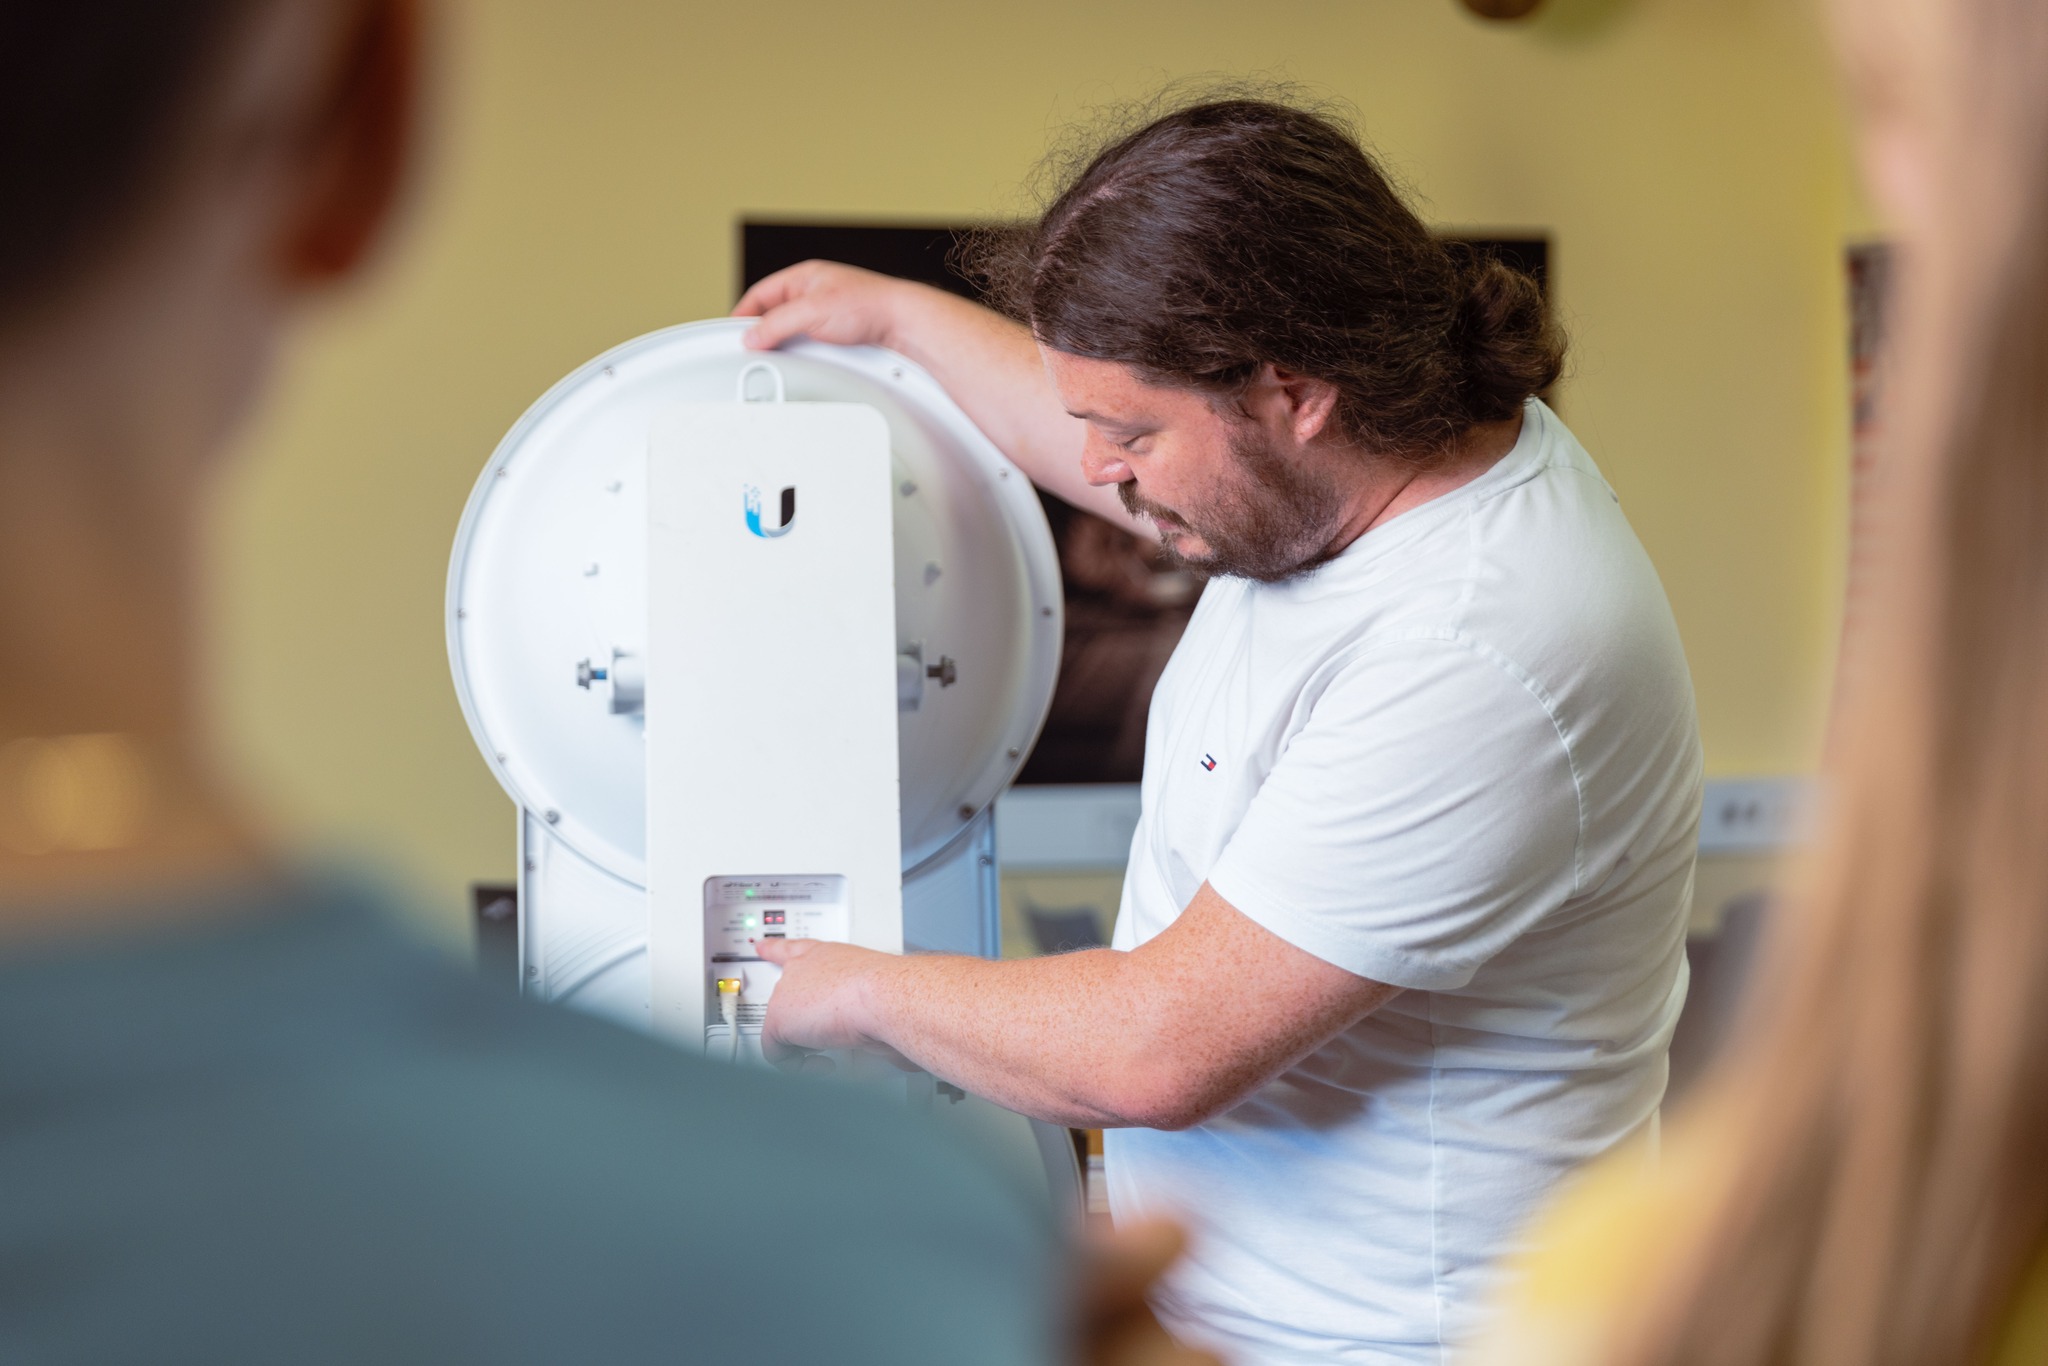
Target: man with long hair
(1402,936)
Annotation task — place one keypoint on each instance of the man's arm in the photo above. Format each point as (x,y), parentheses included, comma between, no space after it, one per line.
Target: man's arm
(1166,1036)
(988,363)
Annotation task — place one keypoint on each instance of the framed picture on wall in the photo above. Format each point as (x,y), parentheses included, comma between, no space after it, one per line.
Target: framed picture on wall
(1125,605)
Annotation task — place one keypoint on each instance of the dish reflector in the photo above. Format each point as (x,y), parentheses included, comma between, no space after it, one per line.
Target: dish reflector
(547,589)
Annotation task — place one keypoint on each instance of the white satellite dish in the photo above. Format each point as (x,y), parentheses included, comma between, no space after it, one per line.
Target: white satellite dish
(550,571)
(548,631)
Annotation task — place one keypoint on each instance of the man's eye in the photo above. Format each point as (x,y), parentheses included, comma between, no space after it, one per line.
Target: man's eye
(1129,443)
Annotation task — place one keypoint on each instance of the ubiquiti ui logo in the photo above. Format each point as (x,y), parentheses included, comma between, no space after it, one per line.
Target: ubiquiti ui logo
(754,523)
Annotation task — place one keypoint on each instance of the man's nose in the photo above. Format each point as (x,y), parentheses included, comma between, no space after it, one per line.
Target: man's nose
(1101,463)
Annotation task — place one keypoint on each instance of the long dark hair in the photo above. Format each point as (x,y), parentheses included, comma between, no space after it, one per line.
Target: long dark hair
(1237,232)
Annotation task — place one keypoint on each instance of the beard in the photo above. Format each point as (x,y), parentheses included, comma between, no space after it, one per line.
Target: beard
(1274,522)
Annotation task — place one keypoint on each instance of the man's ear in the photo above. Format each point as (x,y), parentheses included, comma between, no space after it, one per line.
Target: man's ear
(360,144)
(1311,403)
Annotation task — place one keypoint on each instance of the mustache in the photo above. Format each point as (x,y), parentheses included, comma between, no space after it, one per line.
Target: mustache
(1127,493)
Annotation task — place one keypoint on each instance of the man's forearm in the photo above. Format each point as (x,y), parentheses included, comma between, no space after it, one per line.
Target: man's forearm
(990,366)
(1168,1035)
(1055,1038)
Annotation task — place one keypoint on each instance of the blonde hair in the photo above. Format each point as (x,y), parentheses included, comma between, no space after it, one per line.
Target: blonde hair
(1890,1184)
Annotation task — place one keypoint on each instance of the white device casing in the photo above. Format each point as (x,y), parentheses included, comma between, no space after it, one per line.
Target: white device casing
(772,702)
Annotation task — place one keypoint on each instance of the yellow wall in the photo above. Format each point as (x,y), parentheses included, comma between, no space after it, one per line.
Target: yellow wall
(593,157)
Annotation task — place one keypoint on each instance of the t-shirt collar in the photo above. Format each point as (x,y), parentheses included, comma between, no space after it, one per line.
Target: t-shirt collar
(1520,461)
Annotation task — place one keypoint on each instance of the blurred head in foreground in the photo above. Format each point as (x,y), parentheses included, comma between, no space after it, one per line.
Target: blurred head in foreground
(179,175)
(1879,1185)
(258,1124)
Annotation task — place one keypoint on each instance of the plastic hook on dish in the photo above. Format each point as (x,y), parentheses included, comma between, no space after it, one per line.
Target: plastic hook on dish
(760,367)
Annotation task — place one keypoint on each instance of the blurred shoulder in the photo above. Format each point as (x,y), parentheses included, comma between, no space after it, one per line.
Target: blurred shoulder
(296,1094)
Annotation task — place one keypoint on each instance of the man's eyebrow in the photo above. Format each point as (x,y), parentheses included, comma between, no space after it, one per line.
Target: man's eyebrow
(1086,416)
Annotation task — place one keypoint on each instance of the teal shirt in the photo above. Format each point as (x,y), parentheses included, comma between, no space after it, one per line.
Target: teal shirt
(292,1136)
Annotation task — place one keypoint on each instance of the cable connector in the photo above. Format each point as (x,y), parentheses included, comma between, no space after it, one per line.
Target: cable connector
(729,1011)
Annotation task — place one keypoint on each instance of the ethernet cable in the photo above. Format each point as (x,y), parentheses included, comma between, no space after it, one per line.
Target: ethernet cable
(729,1011)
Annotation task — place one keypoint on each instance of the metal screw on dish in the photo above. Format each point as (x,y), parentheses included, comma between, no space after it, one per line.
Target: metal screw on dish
(554,816)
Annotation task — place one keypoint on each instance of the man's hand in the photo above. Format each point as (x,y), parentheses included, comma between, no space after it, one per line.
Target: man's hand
(825,301)
(1117,1327)
(987,363)
(821,1001)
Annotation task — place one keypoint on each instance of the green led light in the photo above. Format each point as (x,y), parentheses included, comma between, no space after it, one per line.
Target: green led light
(751,922)
(753,892)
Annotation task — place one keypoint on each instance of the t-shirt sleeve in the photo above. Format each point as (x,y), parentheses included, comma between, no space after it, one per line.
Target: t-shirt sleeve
(1422,818)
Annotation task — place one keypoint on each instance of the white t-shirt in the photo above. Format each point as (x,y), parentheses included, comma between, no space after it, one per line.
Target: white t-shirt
(1461,758)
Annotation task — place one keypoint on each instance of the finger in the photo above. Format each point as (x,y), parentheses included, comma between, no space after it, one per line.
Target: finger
(767,292)
(792,1057)
(1137,1340)
(775,1048)
(780,324)
(782,952)
(1122,1264)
